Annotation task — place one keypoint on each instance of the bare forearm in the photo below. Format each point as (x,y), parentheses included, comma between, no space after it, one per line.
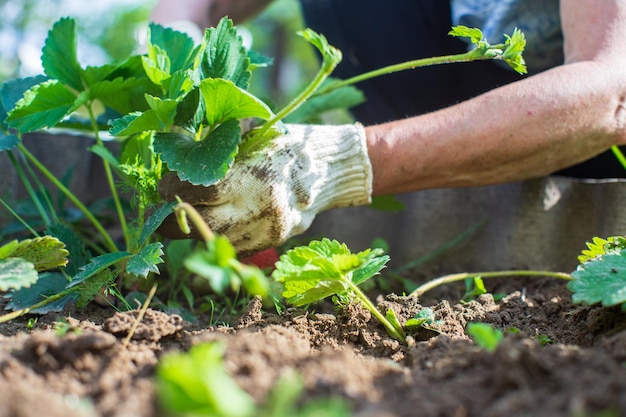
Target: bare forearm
(524,130)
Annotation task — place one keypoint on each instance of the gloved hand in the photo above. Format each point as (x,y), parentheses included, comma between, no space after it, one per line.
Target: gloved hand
(273,194)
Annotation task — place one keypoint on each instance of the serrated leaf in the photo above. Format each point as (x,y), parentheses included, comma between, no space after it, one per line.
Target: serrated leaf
(146,260)
(178,46)
(135,122)
(323,268)
(155,220)
(601,280)
(44,105)
(200,162)
(124,95)
(475,35)
(44,253)
(16,273)
(225,101)
(98,264)
(91,288)
(224,56)
(599,247)
(74,244)
(58,58)
(331,56)
(48,284)
(12,91)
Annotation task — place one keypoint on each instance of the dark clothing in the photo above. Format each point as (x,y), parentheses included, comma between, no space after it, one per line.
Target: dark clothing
(373,33)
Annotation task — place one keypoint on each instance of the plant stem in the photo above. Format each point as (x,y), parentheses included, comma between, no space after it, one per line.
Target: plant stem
(416,63)
(447,279)
(111,182)
(62,188)
(258,138)
(619,155)
(394,332)
(18,313)
(197,220)
(29,188)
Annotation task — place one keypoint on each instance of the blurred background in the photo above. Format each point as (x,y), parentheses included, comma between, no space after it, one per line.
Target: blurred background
(109,31)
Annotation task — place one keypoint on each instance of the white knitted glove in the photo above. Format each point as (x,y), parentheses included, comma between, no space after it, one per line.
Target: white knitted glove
(275,193)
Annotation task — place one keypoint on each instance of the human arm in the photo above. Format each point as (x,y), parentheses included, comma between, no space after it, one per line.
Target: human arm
(526,129)
(205,13)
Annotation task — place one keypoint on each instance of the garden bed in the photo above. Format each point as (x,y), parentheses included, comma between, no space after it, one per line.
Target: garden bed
(556,358)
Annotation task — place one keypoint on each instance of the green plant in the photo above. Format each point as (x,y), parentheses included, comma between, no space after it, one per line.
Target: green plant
(195,384)
(176,108)
(601,275)
(326,268)
(485,336)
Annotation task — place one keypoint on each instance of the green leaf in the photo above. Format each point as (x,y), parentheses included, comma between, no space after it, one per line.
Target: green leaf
(44,253)
(178,46)
(124,95)
(202,162)
(44,105)
(475,35)
(485,336)
(146,260)
(58,58)
(600,280)
(74,243)
(599,247)
(16,273)
(91,288)
(512,54)
(12,91)
(96,265)
(224,56)
(156,65)
(135,122)
(155,220)
(195,383)
(214,264)
(323,268)
(331,56)
(225,101)
(47,285)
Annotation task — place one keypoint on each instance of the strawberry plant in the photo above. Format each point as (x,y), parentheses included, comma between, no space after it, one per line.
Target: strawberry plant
(327,268)
(178,107)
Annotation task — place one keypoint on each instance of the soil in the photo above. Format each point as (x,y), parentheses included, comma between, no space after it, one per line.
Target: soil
(556,359)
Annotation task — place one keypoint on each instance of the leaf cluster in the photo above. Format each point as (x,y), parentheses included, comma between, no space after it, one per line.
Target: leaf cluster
(601,275)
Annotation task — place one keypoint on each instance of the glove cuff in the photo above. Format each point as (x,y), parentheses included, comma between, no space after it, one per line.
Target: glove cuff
(346,172)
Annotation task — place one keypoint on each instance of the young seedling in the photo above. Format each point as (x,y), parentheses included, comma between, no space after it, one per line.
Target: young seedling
(327,268)
(485,336)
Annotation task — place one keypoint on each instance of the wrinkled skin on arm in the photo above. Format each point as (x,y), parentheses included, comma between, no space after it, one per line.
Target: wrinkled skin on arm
(524,130)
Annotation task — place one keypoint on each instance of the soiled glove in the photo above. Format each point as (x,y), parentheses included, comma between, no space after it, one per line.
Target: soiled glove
(275,193)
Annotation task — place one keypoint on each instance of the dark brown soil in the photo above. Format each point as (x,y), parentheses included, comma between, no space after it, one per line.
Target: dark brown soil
(562,359)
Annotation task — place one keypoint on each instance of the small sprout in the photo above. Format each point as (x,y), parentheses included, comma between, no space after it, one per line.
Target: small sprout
(485,336)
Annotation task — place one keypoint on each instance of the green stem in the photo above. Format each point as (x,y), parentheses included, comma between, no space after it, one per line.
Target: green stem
(423,62)
(396,333)
(62,188)
(111,182)
(258,138)
(197,220)
(448,279)
(29,188)
(619,155)
(18,313)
